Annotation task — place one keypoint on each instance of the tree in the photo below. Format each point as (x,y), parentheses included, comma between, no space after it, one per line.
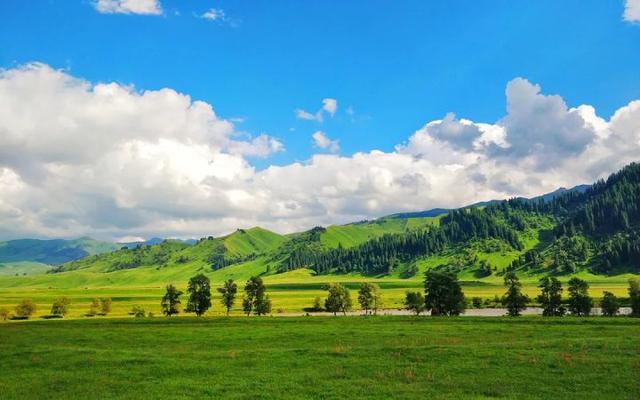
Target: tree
(199,289)
(414,302)
(368,297)
(634,296)
(514,299)
(25,309)
(228,292)
(105,305)
(609,305)
(255,299)
(171,301)
(60,306)
(94,307)
(443,294)
(580,303)
(4,314)
(338,299)
(550,297)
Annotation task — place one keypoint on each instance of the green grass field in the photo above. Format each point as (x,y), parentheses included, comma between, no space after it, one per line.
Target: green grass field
(322,358)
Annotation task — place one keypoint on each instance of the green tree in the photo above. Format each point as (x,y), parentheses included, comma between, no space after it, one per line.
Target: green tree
(105,305)
(609,305)
(414,302)
(4,314)
(443,294)
(199,289)
(60,306)
(171,301)
(255,299)
(580,303)
(228,292)
(367,296)
(514,299)
(25,308)
(94,307)
(634,296)
(338,299)
(550,297)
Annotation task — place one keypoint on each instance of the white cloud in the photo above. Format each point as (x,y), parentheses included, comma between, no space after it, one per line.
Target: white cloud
(214,14)
(106,160)
(632,11)
(321,140)
(330,106)
(143,7)
(302,114)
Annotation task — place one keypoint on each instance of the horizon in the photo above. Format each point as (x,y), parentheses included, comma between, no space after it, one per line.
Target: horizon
(184,119)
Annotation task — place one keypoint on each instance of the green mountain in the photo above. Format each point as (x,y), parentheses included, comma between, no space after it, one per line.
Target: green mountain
(35,255)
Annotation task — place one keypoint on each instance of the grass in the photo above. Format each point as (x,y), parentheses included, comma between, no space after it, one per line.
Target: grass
(322,358)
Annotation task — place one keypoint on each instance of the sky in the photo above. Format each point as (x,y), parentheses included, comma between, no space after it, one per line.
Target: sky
(126,119)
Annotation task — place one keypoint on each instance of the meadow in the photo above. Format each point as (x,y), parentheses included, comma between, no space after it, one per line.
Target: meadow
(322,358)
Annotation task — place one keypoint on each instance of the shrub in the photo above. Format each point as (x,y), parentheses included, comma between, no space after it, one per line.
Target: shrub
(4,314)
(138,311)
(60,306)
(25,309)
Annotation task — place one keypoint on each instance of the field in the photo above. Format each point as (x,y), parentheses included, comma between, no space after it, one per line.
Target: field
(322,358)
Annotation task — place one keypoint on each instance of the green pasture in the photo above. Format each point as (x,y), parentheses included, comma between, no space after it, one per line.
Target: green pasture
(322,358)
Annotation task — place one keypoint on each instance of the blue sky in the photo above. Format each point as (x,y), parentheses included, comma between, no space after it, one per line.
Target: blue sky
(397,64)
(107,128)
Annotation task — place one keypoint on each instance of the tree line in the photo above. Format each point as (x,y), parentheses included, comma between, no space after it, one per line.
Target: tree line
(443,296)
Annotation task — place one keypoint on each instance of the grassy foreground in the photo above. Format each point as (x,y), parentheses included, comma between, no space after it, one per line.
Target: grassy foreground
(322,357)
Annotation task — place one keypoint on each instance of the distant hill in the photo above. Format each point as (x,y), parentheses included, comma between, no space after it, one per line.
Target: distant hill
(434,212)
(51,252)
(153,241)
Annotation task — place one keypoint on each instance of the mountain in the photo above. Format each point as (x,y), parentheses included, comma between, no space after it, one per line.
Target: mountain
(52,252)
(434,212)
(153,241)
(552,195)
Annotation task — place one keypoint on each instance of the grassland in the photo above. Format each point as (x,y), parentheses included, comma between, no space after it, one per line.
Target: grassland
(322,358)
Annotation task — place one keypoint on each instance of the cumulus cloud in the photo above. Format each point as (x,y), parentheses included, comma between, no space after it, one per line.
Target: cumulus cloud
(107,160)
(321,140)
(143,7)
(632,11)
(330,106)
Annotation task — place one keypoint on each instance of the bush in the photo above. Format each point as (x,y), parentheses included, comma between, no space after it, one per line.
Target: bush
(25,309)
(476,302)
(60,307)
(138,312)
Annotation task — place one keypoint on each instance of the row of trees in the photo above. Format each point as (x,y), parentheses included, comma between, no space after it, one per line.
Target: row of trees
(339,299)
(199,289)
(443,296)
(60,307)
